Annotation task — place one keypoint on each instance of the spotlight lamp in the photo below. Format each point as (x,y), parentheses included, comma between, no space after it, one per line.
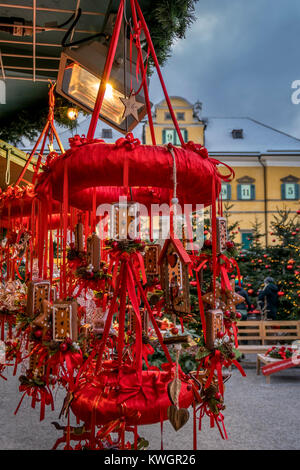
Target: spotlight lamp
(79,78)
(72,113)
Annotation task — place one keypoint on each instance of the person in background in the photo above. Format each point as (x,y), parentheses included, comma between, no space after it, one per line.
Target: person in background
(245,306)
(268,297)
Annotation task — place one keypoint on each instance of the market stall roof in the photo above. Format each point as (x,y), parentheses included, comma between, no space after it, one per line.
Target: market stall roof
(12,160)
(31,32)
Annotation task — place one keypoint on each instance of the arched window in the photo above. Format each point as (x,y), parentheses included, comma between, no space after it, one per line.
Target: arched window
(246,189)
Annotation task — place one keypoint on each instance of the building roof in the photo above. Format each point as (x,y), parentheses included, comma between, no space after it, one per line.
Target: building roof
(257,138)
(178,247)
(163,103)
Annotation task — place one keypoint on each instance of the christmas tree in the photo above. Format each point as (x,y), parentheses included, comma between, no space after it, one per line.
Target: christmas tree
(280,261)
(284,262)
(253,262)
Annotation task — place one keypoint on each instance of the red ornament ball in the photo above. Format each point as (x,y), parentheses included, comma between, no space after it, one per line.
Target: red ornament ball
(230,244)
(38,334)
(63,347)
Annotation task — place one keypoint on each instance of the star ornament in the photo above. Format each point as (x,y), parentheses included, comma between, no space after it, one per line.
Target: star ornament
(231,298)
(208,298)
(131,106)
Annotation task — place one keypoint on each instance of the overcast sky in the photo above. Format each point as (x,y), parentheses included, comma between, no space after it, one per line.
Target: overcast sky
(239,59)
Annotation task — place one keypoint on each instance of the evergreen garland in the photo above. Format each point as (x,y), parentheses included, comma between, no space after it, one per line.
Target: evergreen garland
(29,122)
(167,21)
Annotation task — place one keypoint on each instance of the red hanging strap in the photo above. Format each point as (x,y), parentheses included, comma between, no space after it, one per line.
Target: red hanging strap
(106,71)
(149,40)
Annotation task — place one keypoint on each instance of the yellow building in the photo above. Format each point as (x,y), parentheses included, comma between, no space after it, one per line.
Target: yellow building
(266,161)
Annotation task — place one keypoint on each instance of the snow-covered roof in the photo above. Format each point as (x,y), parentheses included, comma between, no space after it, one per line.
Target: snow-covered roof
(257,138)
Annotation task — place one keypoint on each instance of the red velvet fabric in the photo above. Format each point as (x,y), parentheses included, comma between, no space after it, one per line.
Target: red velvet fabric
(108,194)
(21,207)
(100,165)
(141,400)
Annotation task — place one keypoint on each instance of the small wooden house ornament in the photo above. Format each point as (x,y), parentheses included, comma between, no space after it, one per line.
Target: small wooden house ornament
(144,319)
(125,220)
(37,370)
(44,320)
(151,258)
(79,237)
(214,325)
(64,320)
(221,234)
(174,268)
(38,291)
(93,251)
(85,333)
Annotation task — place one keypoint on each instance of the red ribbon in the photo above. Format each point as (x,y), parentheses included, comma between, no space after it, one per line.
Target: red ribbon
(129,142)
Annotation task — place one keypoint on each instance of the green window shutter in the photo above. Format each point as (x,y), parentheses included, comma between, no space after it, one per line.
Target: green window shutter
(164,136)
(239,192)
(252,191)
(283,191)
(246,240)
(184,133)
(229,192)
(296,191)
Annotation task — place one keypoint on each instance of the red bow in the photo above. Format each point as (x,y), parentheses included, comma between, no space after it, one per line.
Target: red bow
(129,142)
(78,140)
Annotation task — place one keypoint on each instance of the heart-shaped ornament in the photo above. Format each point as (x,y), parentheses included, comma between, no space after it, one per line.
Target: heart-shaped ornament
(178,417)
(172,260)
(174,390)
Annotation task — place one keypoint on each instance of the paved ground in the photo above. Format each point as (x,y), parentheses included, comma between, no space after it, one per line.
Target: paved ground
(258,416)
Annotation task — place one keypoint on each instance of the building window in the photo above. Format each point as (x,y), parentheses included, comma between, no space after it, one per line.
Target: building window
(180,116)
(246,192)
(290,191)
(226,192)
(246,240)
(168,116)
(237,134)
(170,136)
(106,133)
